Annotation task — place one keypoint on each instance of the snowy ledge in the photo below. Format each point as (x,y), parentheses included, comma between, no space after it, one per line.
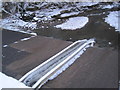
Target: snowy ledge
(9,82)
(74,23)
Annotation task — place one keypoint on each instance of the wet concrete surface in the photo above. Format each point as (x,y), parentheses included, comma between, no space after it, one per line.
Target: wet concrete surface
(23,56)
(9,37)
(96,68)
(9,54)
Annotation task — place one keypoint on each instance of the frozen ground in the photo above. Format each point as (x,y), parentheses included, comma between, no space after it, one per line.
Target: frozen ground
(9,82)
(112,19)
(74,23)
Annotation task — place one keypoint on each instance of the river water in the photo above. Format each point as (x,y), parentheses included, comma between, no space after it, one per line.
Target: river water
(97,28)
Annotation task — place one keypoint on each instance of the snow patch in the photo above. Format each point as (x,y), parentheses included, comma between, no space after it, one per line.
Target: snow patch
(87,3)
(9,82)
(69,14)
(109,43)
(108,7)
(112,19)
(24,39)
(15,24)
(74,23)
(5,46)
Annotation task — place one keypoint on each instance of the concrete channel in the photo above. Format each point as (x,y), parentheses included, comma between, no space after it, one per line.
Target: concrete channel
(42,73)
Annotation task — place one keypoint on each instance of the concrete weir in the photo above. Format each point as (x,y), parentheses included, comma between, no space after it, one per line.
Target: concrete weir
(56,64)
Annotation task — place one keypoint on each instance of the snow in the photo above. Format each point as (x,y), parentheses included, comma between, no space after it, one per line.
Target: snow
(24,39)
(87,3)
(69,14)
(109,43)
(16,42)
(108,7)
(14,24)
(112,19)
(74,23)
(5,45)
(9,82)
(35,18)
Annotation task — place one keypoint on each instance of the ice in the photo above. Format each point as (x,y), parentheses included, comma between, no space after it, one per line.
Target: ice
(74,23)
(9,82)
(112,20)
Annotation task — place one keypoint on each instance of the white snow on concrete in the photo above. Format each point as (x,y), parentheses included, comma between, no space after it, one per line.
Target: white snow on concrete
(24,39)
(74,23)
(112,20)
(9,82)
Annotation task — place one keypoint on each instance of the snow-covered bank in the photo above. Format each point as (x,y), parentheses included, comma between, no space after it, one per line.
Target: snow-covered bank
(87,3)
(74,23)
(9,82)
(69,14)
(15,24)
(112,19)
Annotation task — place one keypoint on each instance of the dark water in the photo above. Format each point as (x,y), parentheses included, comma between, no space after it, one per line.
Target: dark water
(95,28)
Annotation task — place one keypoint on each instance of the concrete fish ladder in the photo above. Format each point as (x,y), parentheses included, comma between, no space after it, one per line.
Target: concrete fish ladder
(55,65)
